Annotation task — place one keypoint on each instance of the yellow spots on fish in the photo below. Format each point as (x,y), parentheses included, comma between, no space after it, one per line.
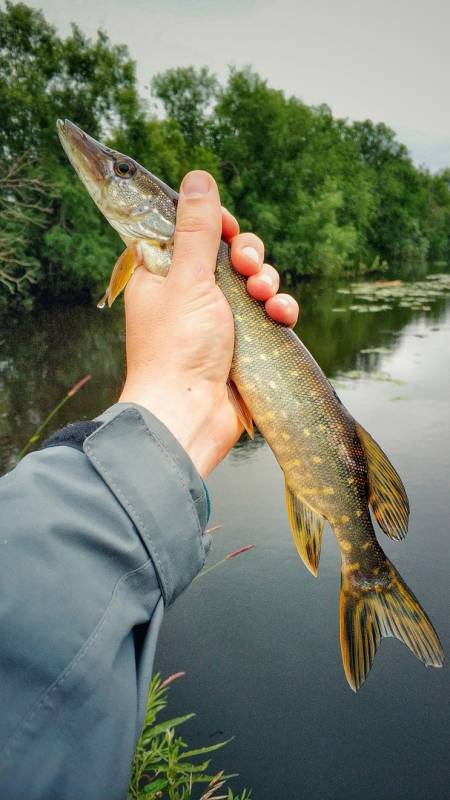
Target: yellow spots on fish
(246,360)
(351,567)
(263,357)
(295,462)
(359,513)
(331,520)
(275,352)
(350,481)
(366,545)
(376,571)
(272,385)
(378,587)
(294,373)
(322,427)
(345,545)
(344,519)
(306,432)
(313,394)
(238,317)
(317,459)
(247,338)
(328,490)
(309,490)
(285,436)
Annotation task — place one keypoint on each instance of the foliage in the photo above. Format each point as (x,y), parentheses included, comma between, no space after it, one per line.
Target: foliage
(328,197)
(165,767)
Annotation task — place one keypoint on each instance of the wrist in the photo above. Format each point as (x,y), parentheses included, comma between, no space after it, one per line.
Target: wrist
(186,410)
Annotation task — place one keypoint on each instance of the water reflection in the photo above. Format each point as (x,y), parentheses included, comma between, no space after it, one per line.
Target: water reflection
(259,638)
(43,354)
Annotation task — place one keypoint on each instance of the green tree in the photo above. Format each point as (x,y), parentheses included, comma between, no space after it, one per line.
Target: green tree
(43,77)
(329,197)
(395,232)
(187,95)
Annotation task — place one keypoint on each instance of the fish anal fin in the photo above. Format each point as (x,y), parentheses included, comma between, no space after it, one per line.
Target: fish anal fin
(121,274)
(387,495)
(371,610)
(306,528)
(240,407)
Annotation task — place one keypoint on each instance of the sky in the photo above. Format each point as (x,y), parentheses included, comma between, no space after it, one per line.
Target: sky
(386,61)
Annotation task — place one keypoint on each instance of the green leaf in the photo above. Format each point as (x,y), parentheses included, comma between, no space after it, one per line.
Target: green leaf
(157,730)
(155,786)
(208,749)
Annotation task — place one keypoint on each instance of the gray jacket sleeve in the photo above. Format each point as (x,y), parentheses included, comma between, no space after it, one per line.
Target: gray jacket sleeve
(94,543)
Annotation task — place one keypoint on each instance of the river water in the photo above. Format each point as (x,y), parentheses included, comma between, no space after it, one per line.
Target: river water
(258,638)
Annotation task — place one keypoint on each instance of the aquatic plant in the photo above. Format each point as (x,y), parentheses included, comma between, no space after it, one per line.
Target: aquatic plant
(165,767)
(379,296)
(34,438)
(233,554)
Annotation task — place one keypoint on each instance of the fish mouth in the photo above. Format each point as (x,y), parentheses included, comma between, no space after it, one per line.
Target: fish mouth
(92,161)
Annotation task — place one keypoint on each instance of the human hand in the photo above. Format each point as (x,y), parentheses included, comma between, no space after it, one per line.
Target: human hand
(179,329)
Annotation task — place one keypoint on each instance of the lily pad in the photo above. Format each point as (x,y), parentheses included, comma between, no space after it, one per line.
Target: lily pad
(382,351)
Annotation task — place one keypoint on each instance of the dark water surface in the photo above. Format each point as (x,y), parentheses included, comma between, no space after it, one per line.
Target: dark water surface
(258,638)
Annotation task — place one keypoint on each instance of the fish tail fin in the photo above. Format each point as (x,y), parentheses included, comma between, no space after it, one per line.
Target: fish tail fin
(375,606)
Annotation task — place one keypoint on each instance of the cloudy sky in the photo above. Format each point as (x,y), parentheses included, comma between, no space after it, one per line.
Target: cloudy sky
(387,60)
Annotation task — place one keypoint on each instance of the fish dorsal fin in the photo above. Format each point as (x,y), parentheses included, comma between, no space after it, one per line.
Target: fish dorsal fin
(387,494)
(121,274)
(306,528)
(240,407)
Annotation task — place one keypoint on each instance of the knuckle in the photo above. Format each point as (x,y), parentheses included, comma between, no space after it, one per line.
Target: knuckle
(192,223)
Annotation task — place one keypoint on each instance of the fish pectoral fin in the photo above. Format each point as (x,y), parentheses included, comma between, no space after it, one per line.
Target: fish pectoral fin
(121,274)
(240,407)
(387,495)
(388,608)
(306,528)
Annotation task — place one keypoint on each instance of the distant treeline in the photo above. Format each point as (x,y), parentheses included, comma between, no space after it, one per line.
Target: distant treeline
(329,197)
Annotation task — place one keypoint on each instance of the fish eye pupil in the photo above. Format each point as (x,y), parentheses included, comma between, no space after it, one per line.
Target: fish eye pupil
(124,169)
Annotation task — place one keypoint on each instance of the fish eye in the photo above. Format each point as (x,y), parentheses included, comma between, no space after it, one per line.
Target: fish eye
(124,169)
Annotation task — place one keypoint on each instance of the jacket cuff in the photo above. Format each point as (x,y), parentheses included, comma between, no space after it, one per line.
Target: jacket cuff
(155,481)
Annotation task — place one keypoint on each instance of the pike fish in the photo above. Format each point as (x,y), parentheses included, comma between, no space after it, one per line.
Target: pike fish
(334,470)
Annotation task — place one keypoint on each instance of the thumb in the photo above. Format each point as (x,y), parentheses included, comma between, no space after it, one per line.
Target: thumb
(198,229)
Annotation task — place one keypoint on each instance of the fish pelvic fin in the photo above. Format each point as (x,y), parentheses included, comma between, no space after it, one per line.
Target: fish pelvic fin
(379,606)
(121,274)
(240,407)
(306,528)
(387,495)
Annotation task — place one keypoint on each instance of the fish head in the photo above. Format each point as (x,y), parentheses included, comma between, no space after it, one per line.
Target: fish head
(135,202)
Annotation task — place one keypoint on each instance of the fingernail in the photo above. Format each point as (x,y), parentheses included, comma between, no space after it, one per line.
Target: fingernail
(265,279)
(282,301)
(250,252)
(196,184)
